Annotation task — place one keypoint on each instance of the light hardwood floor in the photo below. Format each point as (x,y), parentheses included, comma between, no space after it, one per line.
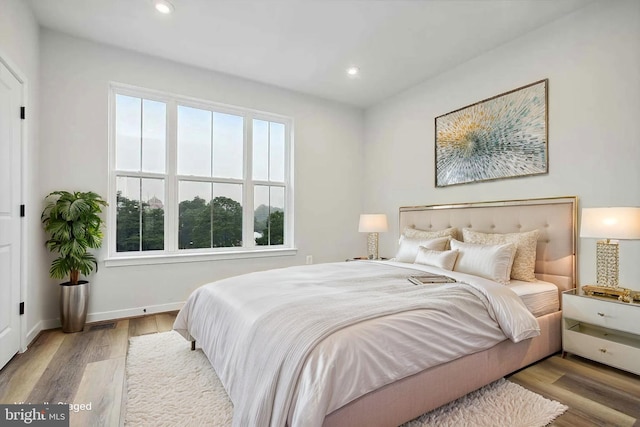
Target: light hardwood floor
(89,367)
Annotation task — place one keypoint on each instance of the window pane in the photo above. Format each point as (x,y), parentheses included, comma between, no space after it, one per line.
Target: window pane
(210,215)
(261,214)
(228,136)
(128,133)
(227,215)
(194,141)
(154,118)
(276,152)
(194,212)
(128,214)
(260,150)
(276,216)
(269,215)
(152,214)
(132,221)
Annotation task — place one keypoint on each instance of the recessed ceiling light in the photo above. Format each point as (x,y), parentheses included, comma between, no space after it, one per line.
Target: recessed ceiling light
(163,6)
(353,71)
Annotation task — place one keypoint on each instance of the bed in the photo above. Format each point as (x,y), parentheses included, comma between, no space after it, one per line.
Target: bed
(391,402)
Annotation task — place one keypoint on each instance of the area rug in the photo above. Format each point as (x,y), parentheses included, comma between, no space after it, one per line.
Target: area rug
(169,385)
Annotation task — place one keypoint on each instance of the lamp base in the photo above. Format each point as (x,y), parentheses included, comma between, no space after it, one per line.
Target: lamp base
(607,256)
(372,245)
(622,294)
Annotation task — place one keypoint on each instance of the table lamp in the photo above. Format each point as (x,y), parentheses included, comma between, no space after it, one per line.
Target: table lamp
(609,223)
(373,224)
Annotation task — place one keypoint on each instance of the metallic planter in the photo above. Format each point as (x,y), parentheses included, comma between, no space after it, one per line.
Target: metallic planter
(74,301)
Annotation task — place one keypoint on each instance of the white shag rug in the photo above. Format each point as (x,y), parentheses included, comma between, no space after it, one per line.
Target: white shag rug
(170,385)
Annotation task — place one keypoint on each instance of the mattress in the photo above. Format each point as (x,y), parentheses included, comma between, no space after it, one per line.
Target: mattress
(540,297)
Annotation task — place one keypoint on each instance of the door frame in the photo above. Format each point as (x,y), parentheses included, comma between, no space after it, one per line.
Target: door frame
(21,77)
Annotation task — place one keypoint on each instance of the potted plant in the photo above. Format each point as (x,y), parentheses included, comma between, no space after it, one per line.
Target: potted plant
(74,225)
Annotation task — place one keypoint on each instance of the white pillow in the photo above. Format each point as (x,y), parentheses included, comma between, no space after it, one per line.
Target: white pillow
(524,263)
(489,261)
(409,247)
(441,259)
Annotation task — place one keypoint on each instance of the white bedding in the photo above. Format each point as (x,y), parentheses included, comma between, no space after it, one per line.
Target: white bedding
(245,325)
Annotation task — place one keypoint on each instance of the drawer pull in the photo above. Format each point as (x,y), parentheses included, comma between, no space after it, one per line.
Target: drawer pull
(603,350)
(601,314)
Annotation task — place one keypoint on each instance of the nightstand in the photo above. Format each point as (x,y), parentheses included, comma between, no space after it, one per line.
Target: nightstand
(601,329)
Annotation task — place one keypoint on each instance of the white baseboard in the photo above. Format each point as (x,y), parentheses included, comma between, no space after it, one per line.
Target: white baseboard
(108,315)
(133,312)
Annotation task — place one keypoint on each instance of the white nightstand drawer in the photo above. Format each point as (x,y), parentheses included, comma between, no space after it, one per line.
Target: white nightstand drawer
(620,351)
(609,314)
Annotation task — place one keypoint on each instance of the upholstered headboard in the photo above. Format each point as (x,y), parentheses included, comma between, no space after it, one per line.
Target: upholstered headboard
(554,217)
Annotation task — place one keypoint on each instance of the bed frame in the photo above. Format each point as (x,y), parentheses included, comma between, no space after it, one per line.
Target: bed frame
(410,397)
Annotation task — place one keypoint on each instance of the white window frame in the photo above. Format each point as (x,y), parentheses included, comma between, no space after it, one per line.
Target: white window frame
(171,253)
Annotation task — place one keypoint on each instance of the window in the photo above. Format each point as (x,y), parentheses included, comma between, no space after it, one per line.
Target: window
(194,177)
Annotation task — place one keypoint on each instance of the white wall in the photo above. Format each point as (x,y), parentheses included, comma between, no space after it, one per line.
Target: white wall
(592,61)
(19,45)
(328,163)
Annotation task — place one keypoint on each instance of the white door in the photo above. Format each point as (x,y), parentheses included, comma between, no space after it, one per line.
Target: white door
(10,177)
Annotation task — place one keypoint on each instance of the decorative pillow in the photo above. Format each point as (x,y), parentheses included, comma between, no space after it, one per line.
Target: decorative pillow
(409,247)
(524,263)
(441,259)
(489,261)
(415,233)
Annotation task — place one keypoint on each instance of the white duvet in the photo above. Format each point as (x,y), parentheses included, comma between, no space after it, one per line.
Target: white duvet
(294,344)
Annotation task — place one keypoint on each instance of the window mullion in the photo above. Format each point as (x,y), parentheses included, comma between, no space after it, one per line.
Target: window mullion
(288,184)
(269,218)
(212,144)
(171,206)
(211,174)
(269,152)
(248,209)
(132,174)
(208,179)
(113,199)
(140,228)
(269,187)
(211,216)
(140,214)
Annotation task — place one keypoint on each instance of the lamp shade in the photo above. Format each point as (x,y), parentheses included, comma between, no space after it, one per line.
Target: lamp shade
(373,223)
(610,223)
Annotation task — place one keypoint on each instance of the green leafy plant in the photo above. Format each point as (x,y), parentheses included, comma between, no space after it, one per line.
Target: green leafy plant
(73,223)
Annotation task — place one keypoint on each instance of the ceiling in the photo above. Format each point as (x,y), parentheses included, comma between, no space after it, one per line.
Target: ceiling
(306,45)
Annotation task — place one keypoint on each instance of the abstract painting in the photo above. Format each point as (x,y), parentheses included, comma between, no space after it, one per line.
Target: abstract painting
(500,137)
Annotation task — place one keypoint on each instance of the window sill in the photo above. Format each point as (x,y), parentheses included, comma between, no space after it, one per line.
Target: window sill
(196,257)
